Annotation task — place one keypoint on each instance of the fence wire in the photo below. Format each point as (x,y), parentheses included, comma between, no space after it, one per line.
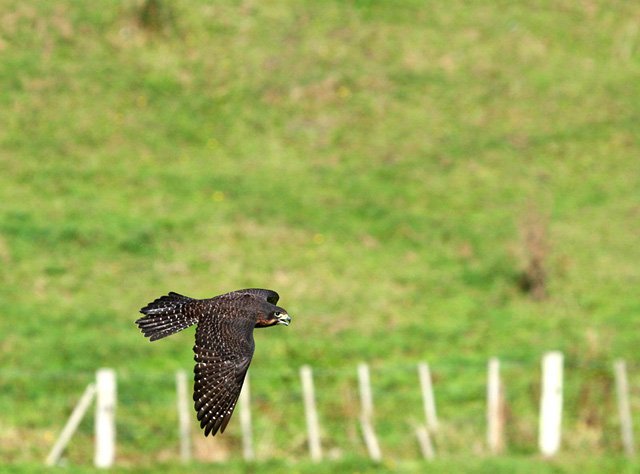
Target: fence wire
(37,404)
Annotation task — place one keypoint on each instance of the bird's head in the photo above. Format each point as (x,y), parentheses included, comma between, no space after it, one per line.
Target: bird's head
(272,316)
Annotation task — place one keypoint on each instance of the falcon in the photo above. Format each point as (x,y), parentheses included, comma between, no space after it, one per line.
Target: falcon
(224,343)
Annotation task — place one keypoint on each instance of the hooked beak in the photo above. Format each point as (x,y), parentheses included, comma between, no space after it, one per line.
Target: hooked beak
(284,319)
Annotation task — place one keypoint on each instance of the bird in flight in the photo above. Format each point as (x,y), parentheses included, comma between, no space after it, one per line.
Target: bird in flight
(224,343)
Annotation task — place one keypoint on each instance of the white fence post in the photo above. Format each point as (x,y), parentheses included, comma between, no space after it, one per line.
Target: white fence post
(366,402)
(184,425)
(624,408)
(551,404)
(105,418)
(311,413)
(245,421)
(428,397)
(495,408)
(72,425)
(424,440)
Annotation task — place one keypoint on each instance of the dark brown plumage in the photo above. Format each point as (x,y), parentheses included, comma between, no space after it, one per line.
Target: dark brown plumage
(224,343)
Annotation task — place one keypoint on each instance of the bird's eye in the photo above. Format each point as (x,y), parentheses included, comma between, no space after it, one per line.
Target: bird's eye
(277,313)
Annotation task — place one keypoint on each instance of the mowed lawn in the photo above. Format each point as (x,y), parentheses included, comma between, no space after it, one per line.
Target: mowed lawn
(379,164)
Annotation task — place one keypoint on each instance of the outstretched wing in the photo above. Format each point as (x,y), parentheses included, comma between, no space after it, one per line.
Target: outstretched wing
(223,351)
(267,295)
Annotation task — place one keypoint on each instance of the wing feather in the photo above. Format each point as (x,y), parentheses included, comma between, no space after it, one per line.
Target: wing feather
(268,295)
(223,352)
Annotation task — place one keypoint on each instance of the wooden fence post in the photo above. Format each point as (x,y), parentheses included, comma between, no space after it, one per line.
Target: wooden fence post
(72,425)
(184,424)
(495,408)
(366,403)
(424,440)
(428,398)
(105,428)
(311,413)
(624,408)
(551,404)
(245,421)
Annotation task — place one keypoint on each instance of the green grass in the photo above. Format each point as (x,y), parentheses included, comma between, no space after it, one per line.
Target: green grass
(465,465)
(373,162)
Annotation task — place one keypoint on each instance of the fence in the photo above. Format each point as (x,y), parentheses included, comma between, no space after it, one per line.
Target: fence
(549,424)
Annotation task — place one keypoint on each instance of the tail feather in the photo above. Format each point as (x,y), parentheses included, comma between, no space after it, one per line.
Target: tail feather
(167,315)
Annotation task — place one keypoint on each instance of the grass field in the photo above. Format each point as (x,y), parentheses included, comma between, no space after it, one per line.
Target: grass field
(506,465)
(379,164)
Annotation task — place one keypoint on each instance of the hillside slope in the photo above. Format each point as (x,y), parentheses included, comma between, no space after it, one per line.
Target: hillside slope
(379,166)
